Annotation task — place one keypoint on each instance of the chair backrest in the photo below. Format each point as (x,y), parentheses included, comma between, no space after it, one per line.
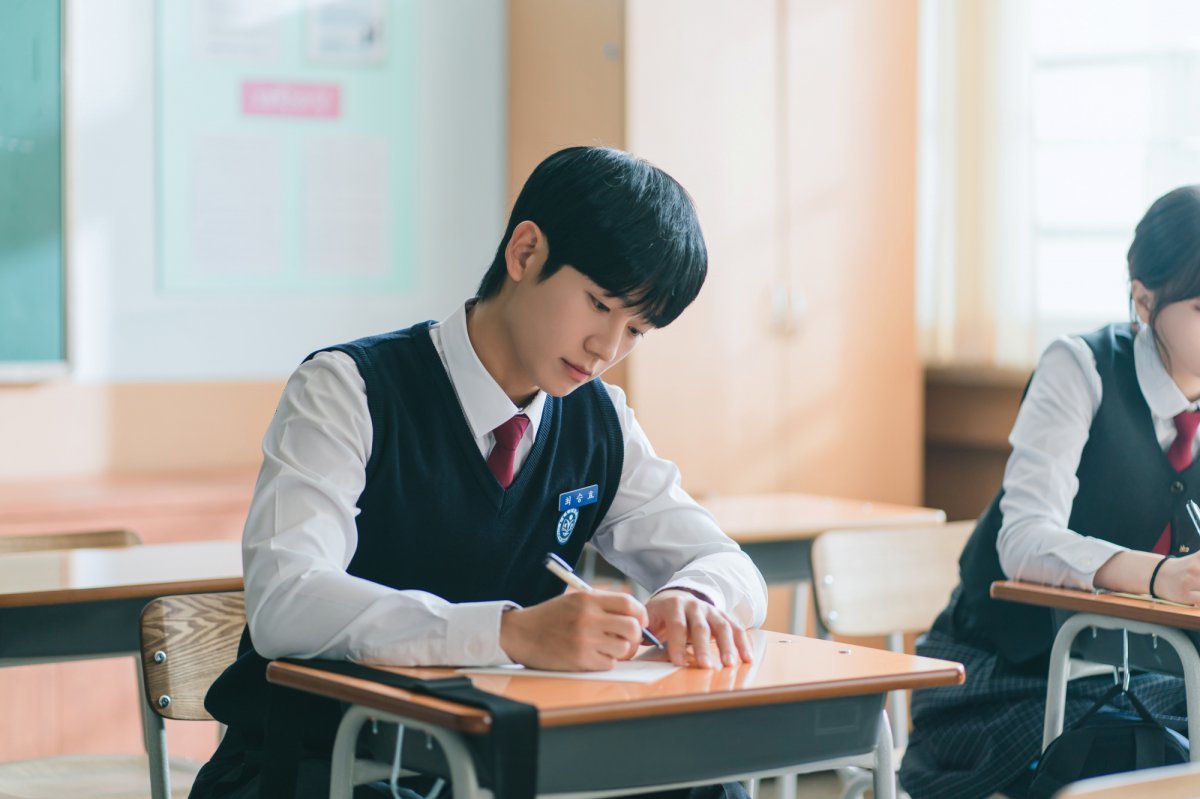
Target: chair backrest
(187,641)
(90,538)
(880,582)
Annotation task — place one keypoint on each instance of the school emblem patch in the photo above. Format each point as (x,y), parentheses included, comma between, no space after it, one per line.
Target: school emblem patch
(566,525)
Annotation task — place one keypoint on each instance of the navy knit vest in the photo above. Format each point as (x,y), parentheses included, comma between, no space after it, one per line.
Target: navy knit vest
(1128,491)
(433,517)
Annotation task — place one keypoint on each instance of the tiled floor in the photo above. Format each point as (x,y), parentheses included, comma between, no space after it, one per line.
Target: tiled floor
(822,785)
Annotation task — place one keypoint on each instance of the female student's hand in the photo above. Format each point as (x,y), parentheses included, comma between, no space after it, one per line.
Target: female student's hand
(680,618)
(578,631)
(1179,580)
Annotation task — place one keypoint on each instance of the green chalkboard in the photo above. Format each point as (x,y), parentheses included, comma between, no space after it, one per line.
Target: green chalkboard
(32,285)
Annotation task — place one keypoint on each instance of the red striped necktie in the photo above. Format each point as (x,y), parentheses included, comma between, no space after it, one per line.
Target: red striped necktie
(1180,456)
(500,459)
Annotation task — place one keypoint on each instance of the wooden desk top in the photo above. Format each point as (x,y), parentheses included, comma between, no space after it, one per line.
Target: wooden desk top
(49,499)
(90,575)
(756,518)
(1118,607)
(791,669)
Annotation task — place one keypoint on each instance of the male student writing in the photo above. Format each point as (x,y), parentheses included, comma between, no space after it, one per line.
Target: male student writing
(414,482)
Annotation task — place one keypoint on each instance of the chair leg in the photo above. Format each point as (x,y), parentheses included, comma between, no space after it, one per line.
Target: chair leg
(154,732)
(855,781)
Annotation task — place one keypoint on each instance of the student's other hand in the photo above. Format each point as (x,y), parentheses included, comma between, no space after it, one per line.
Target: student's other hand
(578,631)
(680,618)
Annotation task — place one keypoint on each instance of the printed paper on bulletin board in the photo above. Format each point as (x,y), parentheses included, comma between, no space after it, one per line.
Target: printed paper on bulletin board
(286,145)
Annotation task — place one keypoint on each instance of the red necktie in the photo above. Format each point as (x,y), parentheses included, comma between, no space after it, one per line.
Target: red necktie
(500,459)
(1180,456)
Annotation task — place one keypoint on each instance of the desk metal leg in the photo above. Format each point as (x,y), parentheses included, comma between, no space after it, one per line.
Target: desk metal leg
(884,778)
(800,593)
(801,601)
(786,786)
(1056,687)
(463,778)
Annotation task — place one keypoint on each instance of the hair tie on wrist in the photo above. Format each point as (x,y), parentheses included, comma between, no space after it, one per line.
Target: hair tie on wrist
(1154,575)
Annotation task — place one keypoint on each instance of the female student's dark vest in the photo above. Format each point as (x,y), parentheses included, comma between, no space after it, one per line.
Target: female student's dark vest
(1128,491)
(433,517)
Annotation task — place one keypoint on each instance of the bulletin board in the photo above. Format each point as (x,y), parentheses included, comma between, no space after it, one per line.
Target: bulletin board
(286,146)
(32,266)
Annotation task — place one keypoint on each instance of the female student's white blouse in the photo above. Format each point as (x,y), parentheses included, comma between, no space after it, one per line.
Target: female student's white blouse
(1050,432)
(300,533)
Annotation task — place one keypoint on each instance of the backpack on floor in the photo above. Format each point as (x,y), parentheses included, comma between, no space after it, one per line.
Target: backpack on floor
(1107,741)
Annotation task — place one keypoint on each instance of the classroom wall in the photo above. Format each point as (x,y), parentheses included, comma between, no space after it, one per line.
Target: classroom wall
(177,381)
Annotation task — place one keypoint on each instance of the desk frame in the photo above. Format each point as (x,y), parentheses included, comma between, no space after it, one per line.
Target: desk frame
(1060,656)
(804,705)
(1108,612)
(346,770)
(63,622)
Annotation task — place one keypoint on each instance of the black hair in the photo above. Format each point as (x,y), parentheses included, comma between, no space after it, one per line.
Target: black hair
(1165,254)
(626,224)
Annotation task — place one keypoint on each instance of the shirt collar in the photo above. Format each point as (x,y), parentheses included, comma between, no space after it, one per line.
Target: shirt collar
(1162,394)
(484,403)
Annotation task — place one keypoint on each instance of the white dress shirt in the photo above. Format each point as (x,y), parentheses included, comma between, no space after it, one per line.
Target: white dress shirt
(1051,430)
(300,533)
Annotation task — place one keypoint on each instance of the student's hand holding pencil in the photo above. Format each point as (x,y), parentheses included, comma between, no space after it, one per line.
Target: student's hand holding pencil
(578,631)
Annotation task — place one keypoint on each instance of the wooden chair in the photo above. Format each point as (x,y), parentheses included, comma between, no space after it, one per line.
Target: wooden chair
(187,641)
(886,582)
(91,538)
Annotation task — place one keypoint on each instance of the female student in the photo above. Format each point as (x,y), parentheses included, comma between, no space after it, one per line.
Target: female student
(1093,496)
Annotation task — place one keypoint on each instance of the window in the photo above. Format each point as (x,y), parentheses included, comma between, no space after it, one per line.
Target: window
(1048,128)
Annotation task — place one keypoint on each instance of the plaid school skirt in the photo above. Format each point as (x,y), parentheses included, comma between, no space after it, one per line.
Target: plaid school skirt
(975,739)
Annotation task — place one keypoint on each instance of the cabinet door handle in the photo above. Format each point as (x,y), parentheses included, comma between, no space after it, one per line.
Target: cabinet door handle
(788,309)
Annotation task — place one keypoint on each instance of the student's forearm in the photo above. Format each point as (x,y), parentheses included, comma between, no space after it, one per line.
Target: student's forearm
(1127,571)
(331,614)
(729,580)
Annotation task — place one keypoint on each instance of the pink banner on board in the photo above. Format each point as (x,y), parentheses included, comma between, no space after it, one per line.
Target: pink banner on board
(263,98)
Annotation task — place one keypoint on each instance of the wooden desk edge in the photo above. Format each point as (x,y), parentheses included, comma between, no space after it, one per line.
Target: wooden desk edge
(786,533)
(67,596)
(1104,604)
(472,720)
(368,693)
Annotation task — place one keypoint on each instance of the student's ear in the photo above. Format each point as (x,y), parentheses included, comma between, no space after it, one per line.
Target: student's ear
(527,250)
(1143,300)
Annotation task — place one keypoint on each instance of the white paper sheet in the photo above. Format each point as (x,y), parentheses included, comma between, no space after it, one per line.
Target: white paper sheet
(645,671)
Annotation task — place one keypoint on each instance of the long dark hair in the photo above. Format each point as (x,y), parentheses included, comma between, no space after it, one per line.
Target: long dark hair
(1165,254)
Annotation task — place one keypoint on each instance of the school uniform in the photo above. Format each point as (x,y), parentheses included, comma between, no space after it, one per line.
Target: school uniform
(1088,477)
(378,534)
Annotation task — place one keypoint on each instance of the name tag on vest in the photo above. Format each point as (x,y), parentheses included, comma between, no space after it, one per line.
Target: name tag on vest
(579,497)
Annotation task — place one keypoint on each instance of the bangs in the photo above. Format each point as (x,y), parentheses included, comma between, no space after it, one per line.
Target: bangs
(651,256)
(625,224)
(658,283)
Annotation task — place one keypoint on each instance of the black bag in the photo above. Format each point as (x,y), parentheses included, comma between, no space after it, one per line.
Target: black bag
(1107,742)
